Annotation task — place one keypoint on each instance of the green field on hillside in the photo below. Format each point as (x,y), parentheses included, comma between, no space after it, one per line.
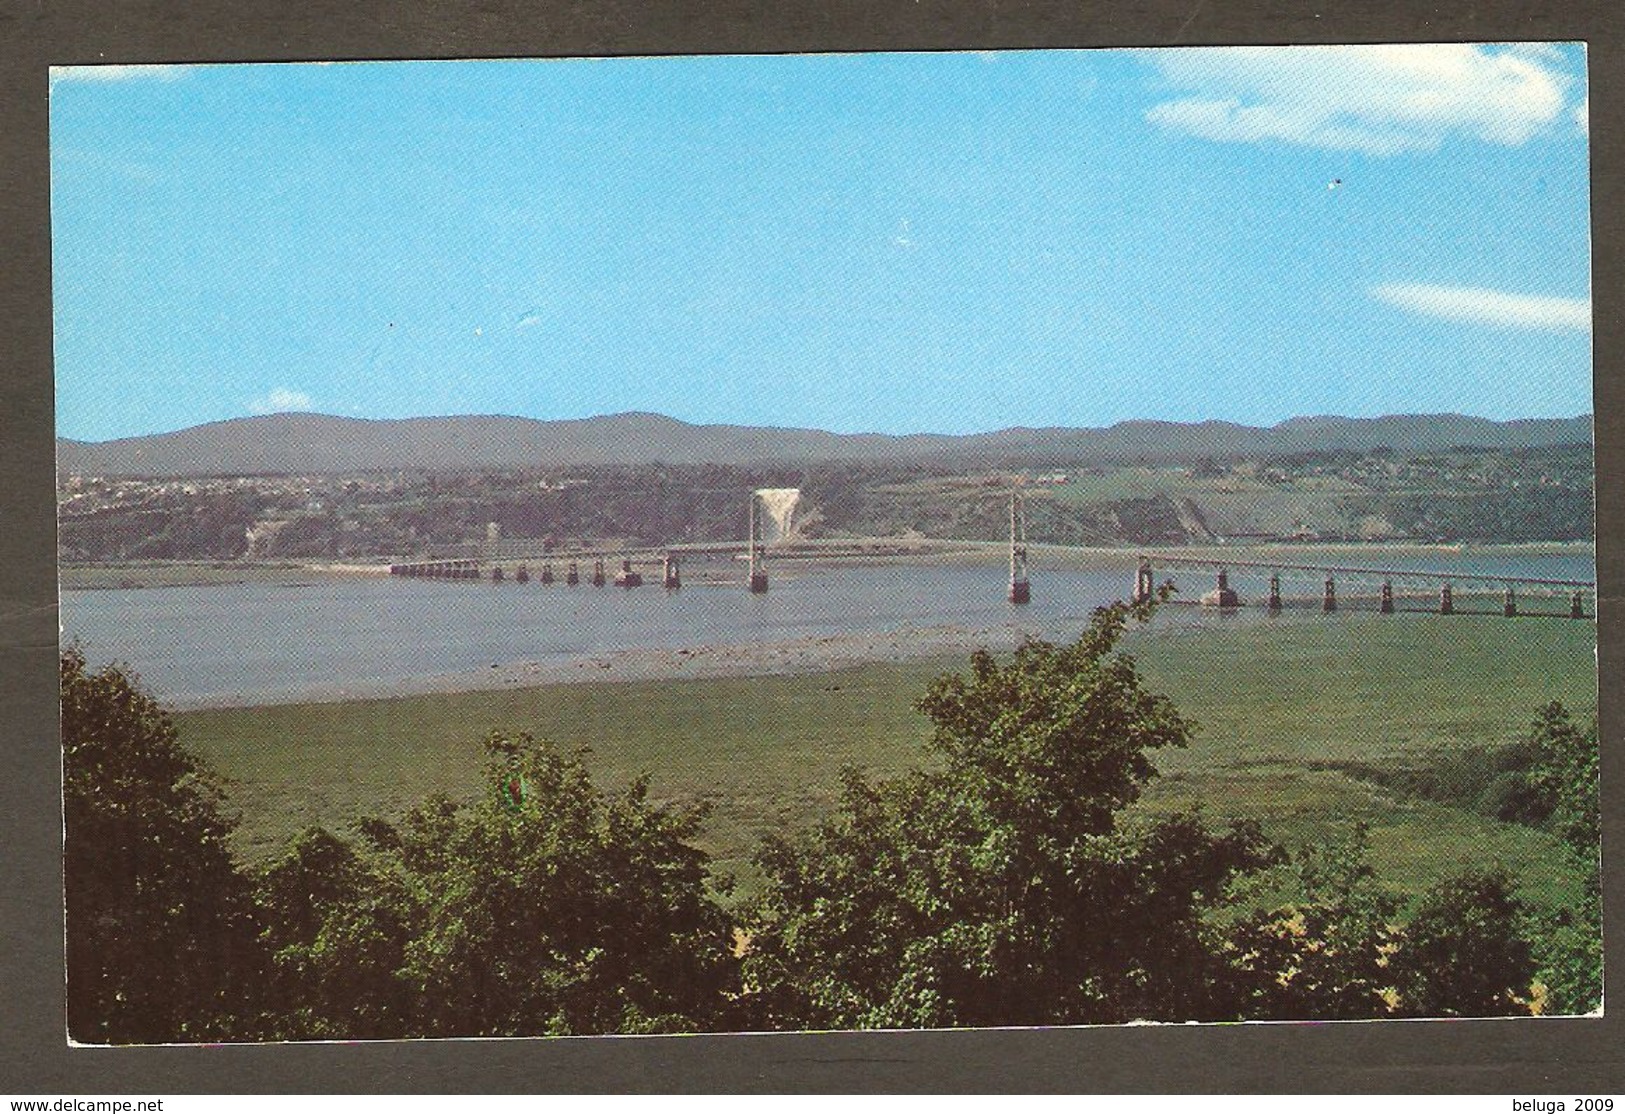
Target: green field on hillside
(1282,710)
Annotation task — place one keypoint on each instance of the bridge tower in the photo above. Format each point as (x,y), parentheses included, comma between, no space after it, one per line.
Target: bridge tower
(598,580)
(758,558)
(1020,590)
(1145,582)
(1577,607)
(1329,600)
(547,572)
(673,581)
(1509,603)
(1447,603)
(1387,607)
(1275,592)
(572,575)
(628,578)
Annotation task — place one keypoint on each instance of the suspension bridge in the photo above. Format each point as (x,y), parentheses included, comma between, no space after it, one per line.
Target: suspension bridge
(1274,585)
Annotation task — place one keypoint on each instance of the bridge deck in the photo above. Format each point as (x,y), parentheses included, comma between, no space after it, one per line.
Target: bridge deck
(1457,576)
(872,548)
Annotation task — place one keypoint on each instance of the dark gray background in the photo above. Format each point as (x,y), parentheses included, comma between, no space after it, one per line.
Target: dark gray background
(1508,1057)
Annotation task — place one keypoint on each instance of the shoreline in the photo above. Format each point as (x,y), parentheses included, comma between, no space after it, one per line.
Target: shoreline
(808,655)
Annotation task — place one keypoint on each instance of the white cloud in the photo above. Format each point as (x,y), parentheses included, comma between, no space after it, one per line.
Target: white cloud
(1582,116)
(529,321)
(106,74)
(1548,52)
(280,400)
(1478,306)
(1380,100)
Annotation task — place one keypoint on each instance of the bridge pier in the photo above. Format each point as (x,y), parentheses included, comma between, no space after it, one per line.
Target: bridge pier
(1447,605)
(1275,593)
(1577,606)
(1329,600)
(572,575)
(627,578)
(1387,607)
(522,575)
(547,572)
(673,581)
(1223,595)
(1509,604)
(496,574)
(598,580)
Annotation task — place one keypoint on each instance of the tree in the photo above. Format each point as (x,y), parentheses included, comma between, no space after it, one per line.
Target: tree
(161,930)
(1000,887)
(1564,780)
(549,907)
(1321,956)
(336,929)
(1463,953)
(1566,777)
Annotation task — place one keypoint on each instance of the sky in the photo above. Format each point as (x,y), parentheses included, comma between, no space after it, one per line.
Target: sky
(886,243)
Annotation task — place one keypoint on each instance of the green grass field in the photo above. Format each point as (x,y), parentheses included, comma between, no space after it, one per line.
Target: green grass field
(1271,700)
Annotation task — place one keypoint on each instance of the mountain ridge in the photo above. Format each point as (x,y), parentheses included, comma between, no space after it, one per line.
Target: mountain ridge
(327,443)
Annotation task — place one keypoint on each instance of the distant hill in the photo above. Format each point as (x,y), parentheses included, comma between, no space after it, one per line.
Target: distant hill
(317,443)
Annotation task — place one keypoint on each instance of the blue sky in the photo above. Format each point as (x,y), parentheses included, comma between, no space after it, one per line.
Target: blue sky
(891,243)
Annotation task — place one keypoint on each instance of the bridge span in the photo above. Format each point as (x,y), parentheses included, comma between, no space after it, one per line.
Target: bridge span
(1441,591)
(1403,589)
(1199,579)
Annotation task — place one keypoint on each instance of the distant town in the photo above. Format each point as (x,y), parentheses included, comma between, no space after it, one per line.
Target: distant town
(1471,495)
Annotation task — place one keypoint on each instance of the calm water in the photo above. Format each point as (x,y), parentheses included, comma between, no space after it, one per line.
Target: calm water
(265,642)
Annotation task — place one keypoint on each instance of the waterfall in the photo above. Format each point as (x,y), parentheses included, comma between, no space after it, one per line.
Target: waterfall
(780,505)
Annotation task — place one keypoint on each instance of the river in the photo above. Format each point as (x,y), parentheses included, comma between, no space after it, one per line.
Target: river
(267,643)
